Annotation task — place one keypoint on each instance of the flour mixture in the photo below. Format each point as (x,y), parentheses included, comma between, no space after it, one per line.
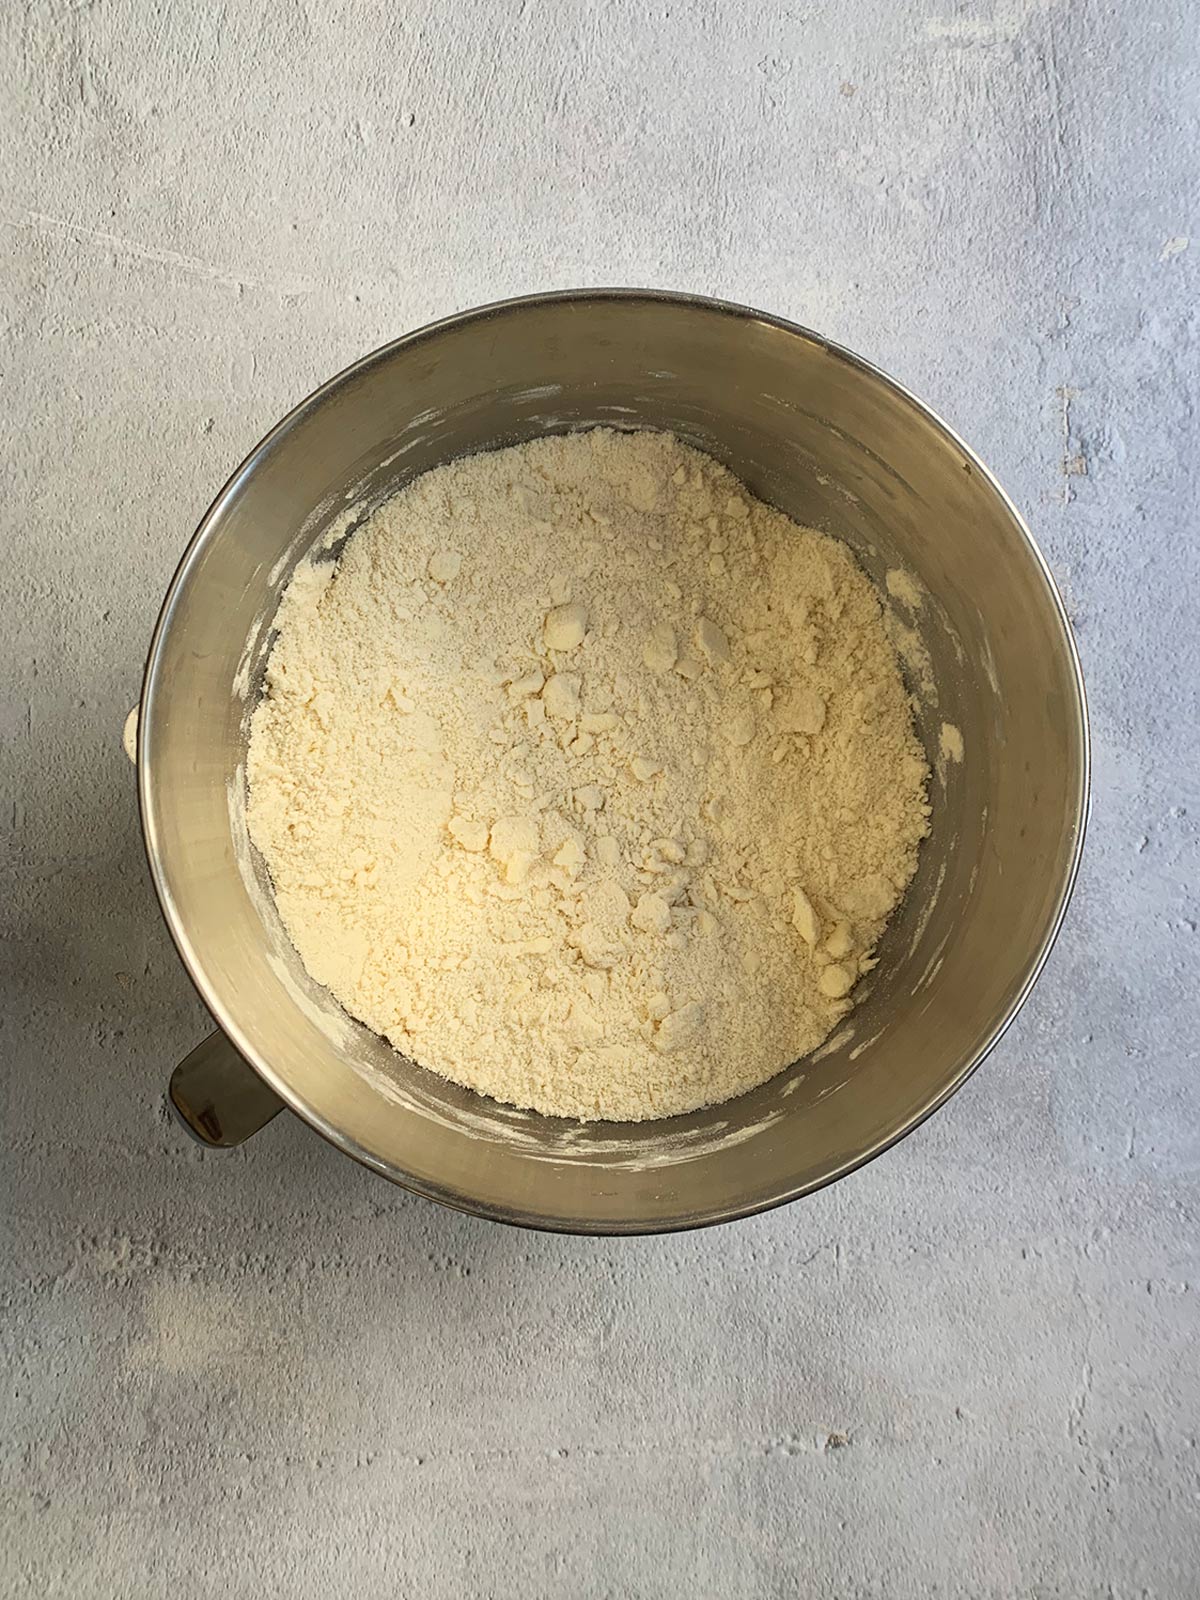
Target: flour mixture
(586,779)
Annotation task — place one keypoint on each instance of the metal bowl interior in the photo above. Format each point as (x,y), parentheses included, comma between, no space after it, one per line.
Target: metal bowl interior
(835,444)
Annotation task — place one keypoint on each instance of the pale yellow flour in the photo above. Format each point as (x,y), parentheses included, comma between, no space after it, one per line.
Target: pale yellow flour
(586,779)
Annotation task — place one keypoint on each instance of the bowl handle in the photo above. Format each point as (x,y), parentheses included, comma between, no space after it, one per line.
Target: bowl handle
(218,1098)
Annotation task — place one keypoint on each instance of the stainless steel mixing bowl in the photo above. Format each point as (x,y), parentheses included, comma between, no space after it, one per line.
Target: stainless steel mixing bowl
(834,443)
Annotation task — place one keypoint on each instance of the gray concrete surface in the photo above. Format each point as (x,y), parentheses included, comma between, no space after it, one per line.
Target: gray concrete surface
(969,1370)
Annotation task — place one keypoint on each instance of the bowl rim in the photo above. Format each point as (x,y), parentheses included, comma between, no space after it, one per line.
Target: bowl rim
(193,962)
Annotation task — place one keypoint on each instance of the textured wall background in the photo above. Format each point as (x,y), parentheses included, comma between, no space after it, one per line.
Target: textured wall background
(268,1373)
